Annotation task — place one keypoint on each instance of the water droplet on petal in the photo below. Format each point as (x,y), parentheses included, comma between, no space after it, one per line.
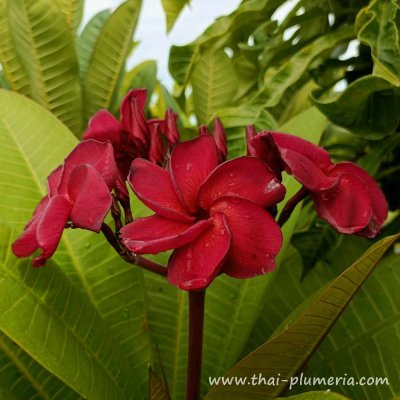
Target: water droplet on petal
(189,254)
(231,175)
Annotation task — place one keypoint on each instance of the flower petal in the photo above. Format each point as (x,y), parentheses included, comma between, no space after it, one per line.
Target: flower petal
(97,154)
(316,154)
(191,163)
(153,186)
(220,139)
(156,152)
(133,119)
(347,207)
(377,198)
(195,265)
(307,173)
(256,237)
(90,196)
(27,243)
(154,234)
(244,177)
(103,127)
(54,180)
(50,227)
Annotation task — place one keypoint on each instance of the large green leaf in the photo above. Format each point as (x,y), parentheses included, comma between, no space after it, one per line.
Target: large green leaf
(25,378)
(377,26)
(11,65)
(172,9)
(88,39)
(213,84)
(32,143)
(56,324)
(286,353)
(370,107)
(45,46)
(109,56)
(73,11)
(315,396)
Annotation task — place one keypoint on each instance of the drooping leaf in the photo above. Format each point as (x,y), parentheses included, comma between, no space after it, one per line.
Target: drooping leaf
(287,352)
(45,46)
(115,288)
(377,26)
(24,378)
(73,11)
(213,83)
(369,107)
(109,56)
(172,9)
(88,39)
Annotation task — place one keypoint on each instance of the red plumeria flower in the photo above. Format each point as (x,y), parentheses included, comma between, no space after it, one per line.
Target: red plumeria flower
(133,136)
(344,194)
(79,192)
(219,137)
(212,215)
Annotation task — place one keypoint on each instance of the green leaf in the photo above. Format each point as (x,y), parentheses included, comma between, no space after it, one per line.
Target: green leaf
(286,353)
(12,66)
(157,389)
(172,9)
(45,46)
(57,325)
(25,378)
(213,83)
(115,288)
(369,107)
(87,40)
(314,244)
(73,11)
(377,26)
(316,396)
(296,66)
(109,56)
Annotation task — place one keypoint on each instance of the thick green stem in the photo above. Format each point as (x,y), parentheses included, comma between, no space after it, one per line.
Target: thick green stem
(195,346)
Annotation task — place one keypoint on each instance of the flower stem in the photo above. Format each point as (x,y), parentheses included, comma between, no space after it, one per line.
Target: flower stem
(195,345)
(291,205)
(130,257)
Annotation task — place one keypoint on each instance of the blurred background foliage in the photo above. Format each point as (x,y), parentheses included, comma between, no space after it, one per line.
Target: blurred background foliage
(329,72)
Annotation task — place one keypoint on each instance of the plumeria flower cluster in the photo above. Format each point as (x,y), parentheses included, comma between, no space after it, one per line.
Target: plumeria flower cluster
(217,216)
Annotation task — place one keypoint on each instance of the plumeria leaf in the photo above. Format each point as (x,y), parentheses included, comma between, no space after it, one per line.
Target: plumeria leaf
(24,378)
(37,30)
(287,352)
(73,11)
(157,388)
(108,57)
(85,258)
(316,396)
(87,40)
(172,9)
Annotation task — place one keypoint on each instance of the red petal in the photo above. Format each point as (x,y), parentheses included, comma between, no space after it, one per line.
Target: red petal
(27,243)
(90,196)
(50,227)
(250,134)
(171,129)
(308,173)
(347,207)
(156,152)
(54,180)
(244,177)
(377,198)
(152,185)
(133,119)
(256,237)
(97,154)
(191,163)
(195,265)
(103,127)
(220,139)
(154,234)
(316,154)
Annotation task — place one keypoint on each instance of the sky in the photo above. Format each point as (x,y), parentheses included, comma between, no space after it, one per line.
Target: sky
(151,29)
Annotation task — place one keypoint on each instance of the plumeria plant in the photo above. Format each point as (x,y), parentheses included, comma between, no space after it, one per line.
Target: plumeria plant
(218,216)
